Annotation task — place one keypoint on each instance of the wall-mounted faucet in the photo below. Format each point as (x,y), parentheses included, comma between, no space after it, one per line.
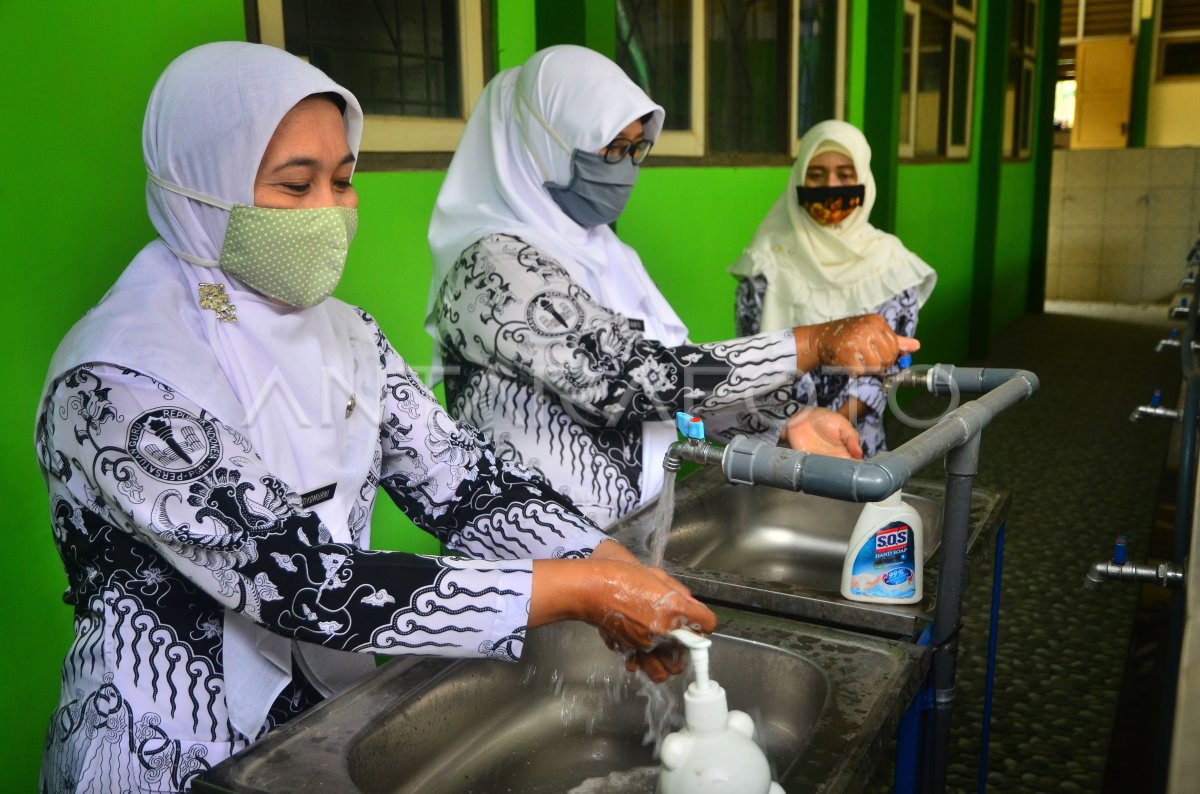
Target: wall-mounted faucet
(1182,311)
(1155,409)
(1171,341)
(1188,281)
(1163,574)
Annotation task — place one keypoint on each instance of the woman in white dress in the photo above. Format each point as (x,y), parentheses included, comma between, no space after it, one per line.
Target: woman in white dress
(213,433)
(817,258)
(554,338)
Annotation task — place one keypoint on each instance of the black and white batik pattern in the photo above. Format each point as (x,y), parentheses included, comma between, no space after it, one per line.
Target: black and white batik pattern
(165,517)
(832,389)
(563,384)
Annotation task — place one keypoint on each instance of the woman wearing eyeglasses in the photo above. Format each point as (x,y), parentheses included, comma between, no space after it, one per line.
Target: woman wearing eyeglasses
(552,335)
(816,258)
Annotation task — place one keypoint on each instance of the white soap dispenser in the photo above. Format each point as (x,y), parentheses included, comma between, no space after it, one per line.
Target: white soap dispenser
(885,561)
(715,753)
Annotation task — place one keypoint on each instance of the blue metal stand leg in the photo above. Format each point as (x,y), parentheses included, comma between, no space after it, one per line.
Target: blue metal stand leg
(989,683)
(910,737)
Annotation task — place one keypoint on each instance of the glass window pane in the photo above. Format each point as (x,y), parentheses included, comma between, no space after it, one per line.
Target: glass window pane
(1026,129)
(1030,25)
(654,49)
(817,54)
(399,58)
(961,106)
(932,82)
(1010,109)
(748,76)
(906,81)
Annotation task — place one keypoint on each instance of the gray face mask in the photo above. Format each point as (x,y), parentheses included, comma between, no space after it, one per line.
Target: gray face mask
(598,191)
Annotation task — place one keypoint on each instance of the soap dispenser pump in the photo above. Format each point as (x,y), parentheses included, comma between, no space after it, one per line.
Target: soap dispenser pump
(715,753)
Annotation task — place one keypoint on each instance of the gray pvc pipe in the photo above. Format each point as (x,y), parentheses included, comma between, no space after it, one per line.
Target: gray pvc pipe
(750,462)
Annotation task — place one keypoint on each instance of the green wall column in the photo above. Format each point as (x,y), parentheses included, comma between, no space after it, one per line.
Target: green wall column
(560,22)
(600,26)
(589,23)
(514,26)
(990,153)
(1143,66)
(881,111)
(1043,154)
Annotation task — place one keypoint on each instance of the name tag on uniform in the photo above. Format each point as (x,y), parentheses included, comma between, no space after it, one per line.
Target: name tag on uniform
(318,495)
(636,325)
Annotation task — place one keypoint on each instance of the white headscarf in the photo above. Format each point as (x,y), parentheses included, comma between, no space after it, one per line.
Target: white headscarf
(818,273)
(279,375)
(520,136)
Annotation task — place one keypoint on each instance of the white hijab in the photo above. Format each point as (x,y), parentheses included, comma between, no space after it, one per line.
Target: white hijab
(520,136)
(818,273)
(280,376)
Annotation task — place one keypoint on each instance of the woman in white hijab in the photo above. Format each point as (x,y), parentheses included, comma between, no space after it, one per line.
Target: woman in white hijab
(554,338)
(212,435)
(816,258)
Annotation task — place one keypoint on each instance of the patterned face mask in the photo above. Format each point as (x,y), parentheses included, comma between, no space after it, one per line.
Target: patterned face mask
(830,205)
(296,256)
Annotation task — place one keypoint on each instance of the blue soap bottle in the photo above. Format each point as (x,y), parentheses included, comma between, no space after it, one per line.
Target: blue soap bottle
(884,563)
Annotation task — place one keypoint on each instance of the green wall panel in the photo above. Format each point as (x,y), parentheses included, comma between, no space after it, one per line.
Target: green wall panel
(689,225)
(941,231)
(76,216)
(1014,240)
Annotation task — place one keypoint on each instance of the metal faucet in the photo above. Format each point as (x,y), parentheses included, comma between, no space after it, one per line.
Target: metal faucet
(1182,311)
(1163,574)
(1171,341)
(1187,281)
(1155,409)
(694,447)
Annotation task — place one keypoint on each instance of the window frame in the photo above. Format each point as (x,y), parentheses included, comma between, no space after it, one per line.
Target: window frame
(961,151)
(961,26)
(908,150)
(385,135)
(690,146)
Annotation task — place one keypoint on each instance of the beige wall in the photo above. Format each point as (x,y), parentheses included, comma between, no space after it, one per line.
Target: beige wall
(1173,114)
(1121,223)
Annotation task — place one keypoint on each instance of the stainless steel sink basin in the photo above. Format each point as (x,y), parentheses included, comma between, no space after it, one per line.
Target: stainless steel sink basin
(568,714)
(768,549)
(776,536)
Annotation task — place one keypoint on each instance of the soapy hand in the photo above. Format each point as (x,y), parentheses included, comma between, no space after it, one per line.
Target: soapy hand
(823,432)
(634,606)
(858,345)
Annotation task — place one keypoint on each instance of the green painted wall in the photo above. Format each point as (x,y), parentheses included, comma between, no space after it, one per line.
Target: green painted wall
(942,232)
(75,216)
(689,225)
(1014,242)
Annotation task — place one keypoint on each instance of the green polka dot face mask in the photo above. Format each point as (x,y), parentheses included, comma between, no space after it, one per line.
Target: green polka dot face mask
(296,256)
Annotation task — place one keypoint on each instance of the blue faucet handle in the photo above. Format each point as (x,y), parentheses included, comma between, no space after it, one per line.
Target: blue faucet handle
(1120,551)
(905,361)
(1156,398)
(1174,334)
(688,425)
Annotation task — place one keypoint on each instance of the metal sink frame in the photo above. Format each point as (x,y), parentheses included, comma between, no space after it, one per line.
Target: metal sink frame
(825,701)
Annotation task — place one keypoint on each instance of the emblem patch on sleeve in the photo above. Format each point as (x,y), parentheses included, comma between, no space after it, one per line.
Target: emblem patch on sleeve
(554,313)
(173,445)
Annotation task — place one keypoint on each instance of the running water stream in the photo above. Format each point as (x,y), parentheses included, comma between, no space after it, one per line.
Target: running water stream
(664,515)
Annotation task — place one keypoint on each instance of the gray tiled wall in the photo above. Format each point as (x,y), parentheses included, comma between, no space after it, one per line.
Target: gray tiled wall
(1121,223)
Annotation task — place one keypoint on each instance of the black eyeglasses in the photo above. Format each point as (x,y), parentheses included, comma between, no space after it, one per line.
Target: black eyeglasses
(616,151)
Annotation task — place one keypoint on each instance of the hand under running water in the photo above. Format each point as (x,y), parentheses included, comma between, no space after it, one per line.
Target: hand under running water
(823,432)
(634,606)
